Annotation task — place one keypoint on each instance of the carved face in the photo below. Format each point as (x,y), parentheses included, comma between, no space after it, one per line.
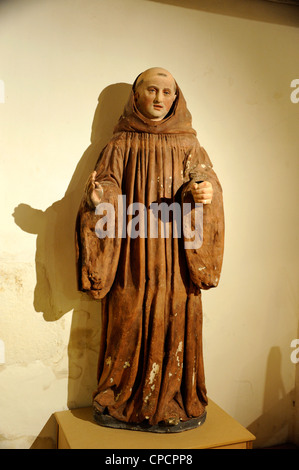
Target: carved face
(155,94)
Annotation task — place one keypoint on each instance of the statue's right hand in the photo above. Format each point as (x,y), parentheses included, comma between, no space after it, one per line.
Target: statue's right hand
(93,190)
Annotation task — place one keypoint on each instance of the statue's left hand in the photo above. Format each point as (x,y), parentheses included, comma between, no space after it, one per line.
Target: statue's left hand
(202,192)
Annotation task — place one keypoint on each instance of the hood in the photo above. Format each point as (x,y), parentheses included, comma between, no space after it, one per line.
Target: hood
(178,120)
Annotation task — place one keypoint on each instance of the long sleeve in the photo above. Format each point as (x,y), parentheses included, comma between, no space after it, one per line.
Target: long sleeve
(204,258)
(97,257)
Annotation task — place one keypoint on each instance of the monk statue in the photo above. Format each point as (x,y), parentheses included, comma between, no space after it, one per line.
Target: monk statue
(150,237)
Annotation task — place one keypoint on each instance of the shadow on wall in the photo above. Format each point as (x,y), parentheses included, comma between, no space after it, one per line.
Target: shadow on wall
(284,12)
(56,291)
(270,428)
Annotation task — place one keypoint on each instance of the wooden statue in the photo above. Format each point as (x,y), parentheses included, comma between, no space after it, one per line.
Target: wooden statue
(152,189)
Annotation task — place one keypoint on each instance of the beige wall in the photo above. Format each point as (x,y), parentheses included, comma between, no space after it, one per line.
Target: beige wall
(57,59)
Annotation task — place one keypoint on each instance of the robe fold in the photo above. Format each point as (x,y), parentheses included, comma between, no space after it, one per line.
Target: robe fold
(150,279)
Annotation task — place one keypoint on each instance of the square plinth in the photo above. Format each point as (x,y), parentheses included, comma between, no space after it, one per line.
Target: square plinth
(78,430)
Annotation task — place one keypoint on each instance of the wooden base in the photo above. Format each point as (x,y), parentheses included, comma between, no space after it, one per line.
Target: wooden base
(78,430)
(110,422)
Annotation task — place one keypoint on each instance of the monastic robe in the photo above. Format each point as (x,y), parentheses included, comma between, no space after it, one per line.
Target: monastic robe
(151,358)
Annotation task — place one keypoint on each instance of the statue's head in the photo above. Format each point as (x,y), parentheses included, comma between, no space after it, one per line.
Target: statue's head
(154,92)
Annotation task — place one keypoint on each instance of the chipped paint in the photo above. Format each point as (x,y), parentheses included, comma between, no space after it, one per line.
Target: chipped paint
(154,372)
(179,349)
(108,361)
(145,400)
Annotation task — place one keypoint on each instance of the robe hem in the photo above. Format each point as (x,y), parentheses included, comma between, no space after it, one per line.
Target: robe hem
(108,421)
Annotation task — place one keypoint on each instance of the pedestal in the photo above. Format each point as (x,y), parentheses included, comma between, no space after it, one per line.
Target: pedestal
(77,430)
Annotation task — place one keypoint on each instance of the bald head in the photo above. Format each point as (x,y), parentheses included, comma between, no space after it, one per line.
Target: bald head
(154,92)
(151,73)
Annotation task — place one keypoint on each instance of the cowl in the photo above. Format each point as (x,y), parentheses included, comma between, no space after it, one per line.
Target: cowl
(178,120)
